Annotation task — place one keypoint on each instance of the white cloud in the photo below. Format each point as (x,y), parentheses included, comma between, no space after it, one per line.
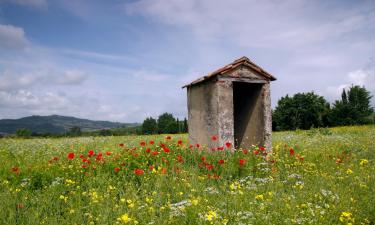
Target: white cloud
(361,77)
(27,100)
(11,80)
(12,37)
(252,23)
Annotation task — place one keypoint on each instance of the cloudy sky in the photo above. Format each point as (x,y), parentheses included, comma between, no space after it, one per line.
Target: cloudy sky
(126,60)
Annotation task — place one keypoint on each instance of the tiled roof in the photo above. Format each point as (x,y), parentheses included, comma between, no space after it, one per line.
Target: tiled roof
(236,63)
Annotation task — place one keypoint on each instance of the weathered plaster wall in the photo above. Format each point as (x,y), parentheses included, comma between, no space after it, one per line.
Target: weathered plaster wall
(267,131)
(225,112)
(202,113)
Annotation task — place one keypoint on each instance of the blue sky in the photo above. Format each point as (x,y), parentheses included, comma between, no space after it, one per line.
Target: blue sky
(126,60)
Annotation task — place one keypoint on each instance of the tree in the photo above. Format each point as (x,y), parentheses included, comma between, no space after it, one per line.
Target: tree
(353,108)
(185,127)
(149,126)
(167,124)
(302,111)
(75,131)
(23,132)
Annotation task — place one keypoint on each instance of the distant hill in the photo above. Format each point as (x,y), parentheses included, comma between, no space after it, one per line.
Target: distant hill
(56,124)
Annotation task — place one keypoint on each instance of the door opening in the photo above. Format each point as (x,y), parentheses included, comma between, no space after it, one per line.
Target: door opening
(248,114)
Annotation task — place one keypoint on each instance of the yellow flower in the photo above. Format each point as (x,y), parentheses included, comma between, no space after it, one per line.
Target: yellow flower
(346,217)
(194,201)
(149,200)
(259,197)
(363,162)
(64,198)
(211,215)
(124,218)
(349,171)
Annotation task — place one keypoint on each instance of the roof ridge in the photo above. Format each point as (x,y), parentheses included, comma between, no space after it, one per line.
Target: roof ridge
(240,61)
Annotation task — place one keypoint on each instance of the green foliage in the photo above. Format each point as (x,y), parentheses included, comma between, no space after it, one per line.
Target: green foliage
(167,124)
(185,127)
(75,131)
(23,132)
(353,108)
(149,126)
(302,111)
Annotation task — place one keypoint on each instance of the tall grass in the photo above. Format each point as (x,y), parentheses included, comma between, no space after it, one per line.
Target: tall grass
(321,176)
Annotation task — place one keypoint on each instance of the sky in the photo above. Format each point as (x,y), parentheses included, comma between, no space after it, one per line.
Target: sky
(127,60)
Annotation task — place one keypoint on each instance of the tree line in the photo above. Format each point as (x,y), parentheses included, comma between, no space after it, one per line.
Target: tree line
(308,110)
(165,124)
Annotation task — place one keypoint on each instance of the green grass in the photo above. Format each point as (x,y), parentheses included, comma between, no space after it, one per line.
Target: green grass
(328,180)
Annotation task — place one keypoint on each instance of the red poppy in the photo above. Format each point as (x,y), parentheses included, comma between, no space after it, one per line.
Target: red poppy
(179,142)
(148,150)
(108,153)
(91,153)
(180,159)
(214,138)
(166,150)
(245,151)
(151,168)
(71,155)
(262,149)
(255,152)
(99,156)
(143,143)
(168,137)
(117,169)
(55,158)
(155,153)
(121,145)
(203,158)
(291,152)
(152,142)
(221,161)
(209,166)
(241,162)
(16,170)
(164,170)
(197,145)
(228,144)
(220,148)
(139,172)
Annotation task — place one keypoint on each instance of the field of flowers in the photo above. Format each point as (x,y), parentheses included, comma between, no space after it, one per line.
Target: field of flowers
(321,176)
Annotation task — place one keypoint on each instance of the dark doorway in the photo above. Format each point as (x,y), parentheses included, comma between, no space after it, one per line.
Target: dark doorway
(248,114)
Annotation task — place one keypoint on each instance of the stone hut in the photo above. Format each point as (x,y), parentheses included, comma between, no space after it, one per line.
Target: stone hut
(233,103)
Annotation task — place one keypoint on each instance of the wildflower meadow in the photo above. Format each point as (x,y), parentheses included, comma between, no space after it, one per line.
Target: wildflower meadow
(319,176)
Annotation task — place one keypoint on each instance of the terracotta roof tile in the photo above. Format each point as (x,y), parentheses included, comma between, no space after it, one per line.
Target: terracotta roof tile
(238,62)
